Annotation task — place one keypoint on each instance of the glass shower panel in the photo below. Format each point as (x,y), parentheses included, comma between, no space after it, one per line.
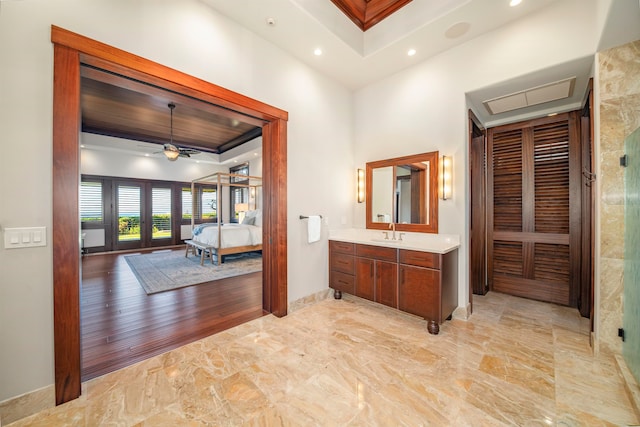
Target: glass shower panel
(631,317)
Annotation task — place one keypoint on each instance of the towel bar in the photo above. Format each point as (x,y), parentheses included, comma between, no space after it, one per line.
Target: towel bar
(306,217)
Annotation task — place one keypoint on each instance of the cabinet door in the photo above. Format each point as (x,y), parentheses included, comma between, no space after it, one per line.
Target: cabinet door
(365,283)
(387,283)
(419,291)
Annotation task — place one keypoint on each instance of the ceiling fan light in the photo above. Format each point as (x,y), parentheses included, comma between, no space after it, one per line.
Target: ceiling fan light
(171,152)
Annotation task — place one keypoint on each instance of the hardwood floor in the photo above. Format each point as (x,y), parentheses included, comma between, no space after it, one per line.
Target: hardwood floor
(122,325)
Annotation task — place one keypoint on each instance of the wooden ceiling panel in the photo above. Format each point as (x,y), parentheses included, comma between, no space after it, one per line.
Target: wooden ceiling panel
(367,13)
(114,106)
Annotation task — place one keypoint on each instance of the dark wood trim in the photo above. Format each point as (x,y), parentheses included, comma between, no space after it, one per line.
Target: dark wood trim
(112,59)
(477,182)
(70,50)
(588,212)
(275,208)
(575,208)
(66,224)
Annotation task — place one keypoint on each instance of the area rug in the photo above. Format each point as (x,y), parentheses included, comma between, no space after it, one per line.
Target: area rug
(167,270)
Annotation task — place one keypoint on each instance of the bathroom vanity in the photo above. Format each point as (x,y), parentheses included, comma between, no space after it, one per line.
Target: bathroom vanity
(418,274)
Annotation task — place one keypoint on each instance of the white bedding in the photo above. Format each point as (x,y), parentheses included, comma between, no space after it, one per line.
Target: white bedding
(233,235)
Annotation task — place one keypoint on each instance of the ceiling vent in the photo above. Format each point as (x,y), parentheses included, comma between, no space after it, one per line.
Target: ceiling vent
(534,96)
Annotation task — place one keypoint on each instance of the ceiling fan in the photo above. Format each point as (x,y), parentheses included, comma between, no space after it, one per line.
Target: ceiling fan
(171,151)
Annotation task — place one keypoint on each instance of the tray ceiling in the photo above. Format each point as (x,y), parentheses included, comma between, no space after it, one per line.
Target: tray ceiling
(367,13)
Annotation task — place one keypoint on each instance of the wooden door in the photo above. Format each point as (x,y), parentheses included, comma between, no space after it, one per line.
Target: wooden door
(387,283)
(365,283)
(419,291)
(533,209)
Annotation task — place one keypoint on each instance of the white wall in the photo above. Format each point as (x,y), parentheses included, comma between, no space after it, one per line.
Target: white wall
(114,163)
(423,108)
(188,36)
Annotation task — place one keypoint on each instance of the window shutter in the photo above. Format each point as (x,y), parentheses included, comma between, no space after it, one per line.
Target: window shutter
(551,165)
(91,201)
(161,213)
(507,181)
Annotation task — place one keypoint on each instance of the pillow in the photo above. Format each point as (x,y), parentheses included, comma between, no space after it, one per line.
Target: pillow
(258,218)
(250,214)
(249,220)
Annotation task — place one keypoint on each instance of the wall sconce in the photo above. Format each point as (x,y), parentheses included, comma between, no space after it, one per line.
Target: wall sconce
(360,186)
(446,175)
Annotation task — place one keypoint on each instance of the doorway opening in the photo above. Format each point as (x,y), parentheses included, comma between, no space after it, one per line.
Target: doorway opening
(71,52)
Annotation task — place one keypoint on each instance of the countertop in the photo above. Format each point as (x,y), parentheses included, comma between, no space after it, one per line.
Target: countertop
(425,242)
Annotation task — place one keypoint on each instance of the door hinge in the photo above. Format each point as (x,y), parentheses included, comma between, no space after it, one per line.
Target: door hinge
(621,333)
(624,161)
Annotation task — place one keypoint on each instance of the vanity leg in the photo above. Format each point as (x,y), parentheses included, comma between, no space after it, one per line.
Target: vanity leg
(433,327)
(337,294)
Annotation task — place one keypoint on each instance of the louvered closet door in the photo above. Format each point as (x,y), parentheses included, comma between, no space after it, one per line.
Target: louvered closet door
(534,209)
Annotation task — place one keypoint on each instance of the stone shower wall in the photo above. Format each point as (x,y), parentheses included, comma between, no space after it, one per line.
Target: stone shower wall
(619,102)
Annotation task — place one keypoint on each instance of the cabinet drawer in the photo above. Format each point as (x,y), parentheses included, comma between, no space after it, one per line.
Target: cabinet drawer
(342,282)
(377,252)
(343,263)
(342,247)
(421,259)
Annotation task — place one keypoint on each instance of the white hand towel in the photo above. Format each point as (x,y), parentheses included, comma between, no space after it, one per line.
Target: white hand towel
(313,228)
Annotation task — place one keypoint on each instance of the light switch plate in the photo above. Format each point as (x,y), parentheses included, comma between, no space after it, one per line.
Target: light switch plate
(25,237)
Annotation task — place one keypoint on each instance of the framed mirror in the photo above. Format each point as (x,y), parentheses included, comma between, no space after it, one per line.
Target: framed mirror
(403,191)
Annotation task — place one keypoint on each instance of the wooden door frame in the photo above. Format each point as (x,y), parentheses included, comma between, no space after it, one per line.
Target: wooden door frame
(71,51)
(474,120)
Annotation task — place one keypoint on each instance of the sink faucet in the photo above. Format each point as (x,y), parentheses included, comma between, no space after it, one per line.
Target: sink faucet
(392,226)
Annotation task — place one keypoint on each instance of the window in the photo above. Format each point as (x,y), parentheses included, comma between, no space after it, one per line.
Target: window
(239,196)
(91,201)
(161,213)
(128,213)
(242,169)
(187,204)
(209,203)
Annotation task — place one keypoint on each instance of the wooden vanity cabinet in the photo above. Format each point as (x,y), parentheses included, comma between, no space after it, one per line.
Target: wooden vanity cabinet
(421,283)
(427,284)
(377,274)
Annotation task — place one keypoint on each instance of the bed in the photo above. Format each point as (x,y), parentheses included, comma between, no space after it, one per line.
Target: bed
(225,238)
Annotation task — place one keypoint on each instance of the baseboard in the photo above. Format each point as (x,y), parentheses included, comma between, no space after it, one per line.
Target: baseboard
(27,404)
(630,384)
(309,300)
(462,313)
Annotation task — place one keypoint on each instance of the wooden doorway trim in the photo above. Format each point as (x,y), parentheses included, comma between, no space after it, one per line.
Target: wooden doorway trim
(70,52)
(477,208)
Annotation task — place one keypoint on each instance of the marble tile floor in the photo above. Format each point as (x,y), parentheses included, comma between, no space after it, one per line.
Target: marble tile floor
(350,362)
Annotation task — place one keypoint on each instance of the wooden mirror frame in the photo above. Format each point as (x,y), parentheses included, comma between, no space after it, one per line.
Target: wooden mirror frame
(432,158)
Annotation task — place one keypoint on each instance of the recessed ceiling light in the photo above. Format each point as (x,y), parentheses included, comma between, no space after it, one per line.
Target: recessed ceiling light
(411,52)
(146,154)
(317,51)
(513,3)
